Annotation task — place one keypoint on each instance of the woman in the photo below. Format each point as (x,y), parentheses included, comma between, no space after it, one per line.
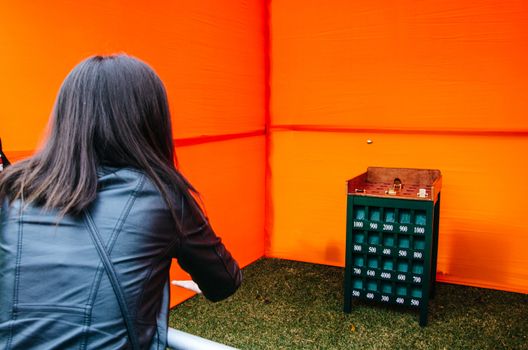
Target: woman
(89,224)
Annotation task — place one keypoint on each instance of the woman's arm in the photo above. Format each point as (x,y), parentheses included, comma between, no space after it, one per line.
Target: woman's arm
(202,254)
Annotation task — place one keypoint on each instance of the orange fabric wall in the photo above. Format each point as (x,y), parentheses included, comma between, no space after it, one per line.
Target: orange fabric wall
(435,84)
(210,54)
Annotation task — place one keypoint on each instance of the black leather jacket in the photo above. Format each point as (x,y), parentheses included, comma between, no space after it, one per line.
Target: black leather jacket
(54,293)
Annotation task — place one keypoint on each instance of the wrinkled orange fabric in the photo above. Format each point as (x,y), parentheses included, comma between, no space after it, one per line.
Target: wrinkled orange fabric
(210,56)
(483,238)
(435,84)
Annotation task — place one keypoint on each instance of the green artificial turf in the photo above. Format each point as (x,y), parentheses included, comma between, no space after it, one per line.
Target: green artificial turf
(291,305)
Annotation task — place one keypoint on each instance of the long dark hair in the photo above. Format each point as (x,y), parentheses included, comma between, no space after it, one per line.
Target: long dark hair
(110,110)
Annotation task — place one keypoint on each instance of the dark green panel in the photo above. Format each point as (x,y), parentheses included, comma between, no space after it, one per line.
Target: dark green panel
(391,251)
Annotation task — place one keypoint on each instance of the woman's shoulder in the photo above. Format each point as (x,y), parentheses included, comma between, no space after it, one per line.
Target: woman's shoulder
(113,171)
(114,180)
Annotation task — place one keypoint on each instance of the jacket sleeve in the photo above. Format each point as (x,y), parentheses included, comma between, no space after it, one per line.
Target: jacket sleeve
(5,161)
(201,254)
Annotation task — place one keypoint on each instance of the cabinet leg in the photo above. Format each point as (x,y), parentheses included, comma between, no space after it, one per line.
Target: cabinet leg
(348,304)
(423,316)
